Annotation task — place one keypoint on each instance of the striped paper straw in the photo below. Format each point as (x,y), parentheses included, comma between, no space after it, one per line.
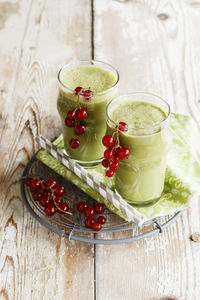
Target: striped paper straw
(104,191)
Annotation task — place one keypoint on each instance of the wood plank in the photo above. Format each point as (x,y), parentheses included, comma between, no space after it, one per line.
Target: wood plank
(155,47)
(35,38)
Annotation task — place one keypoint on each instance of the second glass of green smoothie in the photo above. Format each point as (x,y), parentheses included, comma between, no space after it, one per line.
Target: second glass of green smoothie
(140,178)
(100,78)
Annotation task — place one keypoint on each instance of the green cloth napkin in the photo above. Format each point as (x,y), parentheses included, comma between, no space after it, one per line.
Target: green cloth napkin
(182,175)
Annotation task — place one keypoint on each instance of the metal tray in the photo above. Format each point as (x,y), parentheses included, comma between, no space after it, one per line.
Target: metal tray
(72,226)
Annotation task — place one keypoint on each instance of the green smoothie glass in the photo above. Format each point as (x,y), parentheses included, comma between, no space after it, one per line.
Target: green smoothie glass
(140,178)
(102,79)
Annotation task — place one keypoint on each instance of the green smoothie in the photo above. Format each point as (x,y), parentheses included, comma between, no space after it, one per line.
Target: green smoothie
(102,80)
(140,178)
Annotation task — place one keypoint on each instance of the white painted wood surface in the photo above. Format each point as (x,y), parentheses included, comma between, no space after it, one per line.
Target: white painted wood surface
(156,47)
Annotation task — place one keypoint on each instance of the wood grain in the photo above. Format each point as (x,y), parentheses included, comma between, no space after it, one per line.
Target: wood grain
(155,49)
(35,38)
(155,46)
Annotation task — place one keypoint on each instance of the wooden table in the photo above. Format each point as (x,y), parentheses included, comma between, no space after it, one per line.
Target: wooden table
(155,45)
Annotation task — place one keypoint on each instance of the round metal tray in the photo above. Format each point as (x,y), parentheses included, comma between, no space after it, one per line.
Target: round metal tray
(72,226)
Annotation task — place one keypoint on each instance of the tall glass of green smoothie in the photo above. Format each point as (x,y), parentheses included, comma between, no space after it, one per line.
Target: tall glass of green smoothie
(140,178)
(75,80)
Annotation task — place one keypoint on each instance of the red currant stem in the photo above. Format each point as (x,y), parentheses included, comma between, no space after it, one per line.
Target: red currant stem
(117,145)
(81,199)
(56,205)
(42,185)
(118,140)
(118,135)
(76,122)
(78,102)
(116,132)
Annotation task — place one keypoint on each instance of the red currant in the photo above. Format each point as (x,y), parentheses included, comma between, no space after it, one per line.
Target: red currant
(105,163)
(115,159)
(78,89)
(124,153)
(37,195)
(71,115)
(109,173)
(99,208)
(112,147)
(101,219)
(88,211)
(108,153)
(50,183)
(114,164)
(88,222)
(74,143)
(80,129)
(113,169)
(35,184)
(69,123)
(117,153)
(58,199)
(123,126)
(87,94)
(47,192)
(108,140)
(28,181)
(81,114)
(49,209)
(62,208)
(59,190)
(96,226)
(44,200)
(81,205)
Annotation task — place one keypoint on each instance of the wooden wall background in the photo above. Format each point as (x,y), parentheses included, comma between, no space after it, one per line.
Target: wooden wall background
(155,45)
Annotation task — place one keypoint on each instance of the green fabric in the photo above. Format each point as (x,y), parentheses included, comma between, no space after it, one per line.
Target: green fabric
(182,175)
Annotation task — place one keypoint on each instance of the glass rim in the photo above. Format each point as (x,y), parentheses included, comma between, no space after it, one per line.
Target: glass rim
(91,61)
(140,93)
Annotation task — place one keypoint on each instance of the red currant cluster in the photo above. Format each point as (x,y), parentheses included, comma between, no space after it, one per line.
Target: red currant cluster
(75,117)
(87,94)
(48,194)
(89,213)
(114,151)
